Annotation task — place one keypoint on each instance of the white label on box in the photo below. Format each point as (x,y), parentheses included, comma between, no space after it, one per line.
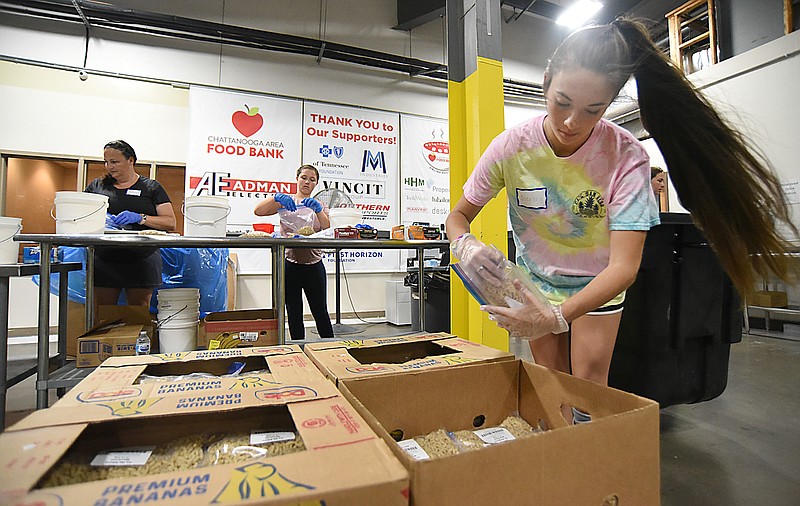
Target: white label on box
(262,438)
(413,449)
(134,456)
(494,435)
(248,336)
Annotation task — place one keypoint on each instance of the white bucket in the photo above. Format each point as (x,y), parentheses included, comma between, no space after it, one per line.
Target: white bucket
(179,313)
(206,216)
(9,249)
(345,217)
(178,304)
(80,213)
(178,293)
(177,336)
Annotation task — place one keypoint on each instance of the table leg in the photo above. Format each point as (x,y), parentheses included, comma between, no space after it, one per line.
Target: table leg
(421,261)
(4,284)
(278,287)
(63,299)
(43,356)
(89,287)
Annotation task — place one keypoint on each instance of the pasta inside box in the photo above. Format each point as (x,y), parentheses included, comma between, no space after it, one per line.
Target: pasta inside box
(355,358)
(262,454)
(465,432)
(242,328)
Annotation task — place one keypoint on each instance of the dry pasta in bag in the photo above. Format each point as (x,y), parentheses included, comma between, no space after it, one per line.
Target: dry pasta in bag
(243,446)
(79,467)
(442,443)
(493,292)
(294,223)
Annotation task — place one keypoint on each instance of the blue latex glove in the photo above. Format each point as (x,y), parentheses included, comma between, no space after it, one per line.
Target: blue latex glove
(110,225)
(127,218)
(286,201)
(314,204)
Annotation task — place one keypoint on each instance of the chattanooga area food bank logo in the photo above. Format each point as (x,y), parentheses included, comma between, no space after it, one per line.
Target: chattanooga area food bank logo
(222,184)
(247,122)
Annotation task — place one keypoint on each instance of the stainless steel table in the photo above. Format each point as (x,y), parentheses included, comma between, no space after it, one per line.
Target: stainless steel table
(18,270)
(278,247)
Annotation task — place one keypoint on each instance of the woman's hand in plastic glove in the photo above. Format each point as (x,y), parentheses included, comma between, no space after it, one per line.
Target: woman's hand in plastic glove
(110,225)
(127,218)
(529,321)
(314,204)
(286,201)
(478,258)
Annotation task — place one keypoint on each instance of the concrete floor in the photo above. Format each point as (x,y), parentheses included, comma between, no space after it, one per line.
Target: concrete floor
(742,448)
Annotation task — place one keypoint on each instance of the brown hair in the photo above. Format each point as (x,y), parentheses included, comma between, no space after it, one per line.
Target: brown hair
(730,188)
(309,167)
(654,171)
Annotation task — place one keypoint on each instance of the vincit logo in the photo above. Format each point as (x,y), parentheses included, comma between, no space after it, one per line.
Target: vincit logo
(361,188)
(375,161)
(414,181)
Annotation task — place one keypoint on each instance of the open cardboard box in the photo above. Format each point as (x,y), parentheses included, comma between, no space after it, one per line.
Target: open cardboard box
(192,371)
(344,461)
(614,459)
(357,358)
(134,315)
(108,339)
(241,328)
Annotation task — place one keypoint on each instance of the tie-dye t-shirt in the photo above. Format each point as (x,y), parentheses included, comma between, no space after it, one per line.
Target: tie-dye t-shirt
(563,209)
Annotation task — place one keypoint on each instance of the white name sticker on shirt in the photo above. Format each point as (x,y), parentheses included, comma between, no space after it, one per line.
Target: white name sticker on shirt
(533,198)
(135,193)
(135,456)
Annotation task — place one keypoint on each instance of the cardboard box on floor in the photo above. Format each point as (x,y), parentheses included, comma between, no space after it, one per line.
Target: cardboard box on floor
(344,461)
(232,329)
(614,459)
(76,321)
(192,371)
(107,339)
(357,358)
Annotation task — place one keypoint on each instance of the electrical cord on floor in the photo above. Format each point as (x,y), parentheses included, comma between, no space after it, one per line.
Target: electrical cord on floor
(350,298)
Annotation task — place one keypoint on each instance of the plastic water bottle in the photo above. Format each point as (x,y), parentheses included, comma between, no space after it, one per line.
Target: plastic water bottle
(143,344)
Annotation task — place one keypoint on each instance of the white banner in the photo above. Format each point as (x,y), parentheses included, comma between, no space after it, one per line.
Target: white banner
(425,170)
(356,152)
(244,147)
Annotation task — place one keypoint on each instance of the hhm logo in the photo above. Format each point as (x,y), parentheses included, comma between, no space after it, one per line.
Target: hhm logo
(376,161)
(326,151)
(414,181)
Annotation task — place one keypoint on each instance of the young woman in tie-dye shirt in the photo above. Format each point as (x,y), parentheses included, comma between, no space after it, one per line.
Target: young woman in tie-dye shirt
(580,201)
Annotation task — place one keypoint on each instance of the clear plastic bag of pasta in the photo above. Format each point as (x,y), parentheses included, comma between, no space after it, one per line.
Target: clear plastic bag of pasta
(297,223)
(495,285)
(82,465)
(244,446)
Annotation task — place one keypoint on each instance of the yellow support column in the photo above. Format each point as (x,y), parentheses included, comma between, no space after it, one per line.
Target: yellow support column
(475,101)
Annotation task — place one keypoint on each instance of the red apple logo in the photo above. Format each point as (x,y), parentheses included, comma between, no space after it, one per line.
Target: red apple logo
(249,122)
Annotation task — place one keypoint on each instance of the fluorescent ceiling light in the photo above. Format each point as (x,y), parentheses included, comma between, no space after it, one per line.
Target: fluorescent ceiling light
(578,13)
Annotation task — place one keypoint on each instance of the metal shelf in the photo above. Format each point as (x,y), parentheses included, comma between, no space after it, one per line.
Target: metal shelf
(67,376)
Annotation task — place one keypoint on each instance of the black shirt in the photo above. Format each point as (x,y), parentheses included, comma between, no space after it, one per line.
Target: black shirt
(142,197)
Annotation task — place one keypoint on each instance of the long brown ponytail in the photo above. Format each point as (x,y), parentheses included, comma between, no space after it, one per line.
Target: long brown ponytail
(730,189)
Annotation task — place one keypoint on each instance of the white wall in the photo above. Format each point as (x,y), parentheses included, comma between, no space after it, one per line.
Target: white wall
(758,93)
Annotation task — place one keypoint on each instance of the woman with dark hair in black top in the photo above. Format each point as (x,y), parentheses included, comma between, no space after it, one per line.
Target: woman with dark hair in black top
(136,203)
